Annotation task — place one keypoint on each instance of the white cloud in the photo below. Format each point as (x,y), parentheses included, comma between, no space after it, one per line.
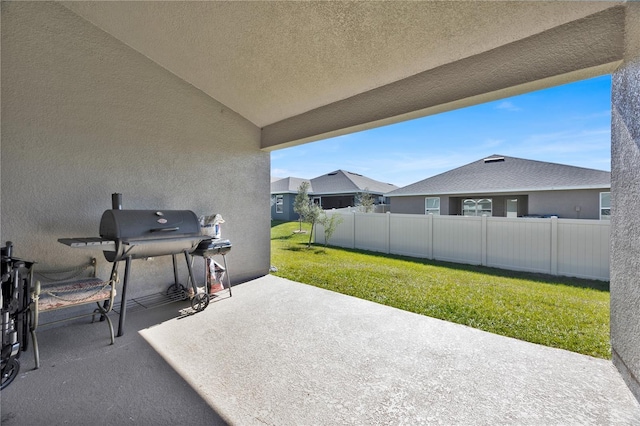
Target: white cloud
(583,148)
(569,141)
(593,116)
(508,105)
(279,173)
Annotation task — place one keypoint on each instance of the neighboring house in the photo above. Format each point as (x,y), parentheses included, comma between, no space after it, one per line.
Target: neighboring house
(334,190)
(283,194)
(509,187)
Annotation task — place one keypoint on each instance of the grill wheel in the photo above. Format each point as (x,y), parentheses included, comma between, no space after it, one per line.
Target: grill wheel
(177,290)
(200,301)
(10,371)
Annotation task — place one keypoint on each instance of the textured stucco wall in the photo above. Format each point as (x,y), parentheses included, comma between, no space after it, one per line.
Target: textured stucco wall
(84,116)
(579,49)
(625,221)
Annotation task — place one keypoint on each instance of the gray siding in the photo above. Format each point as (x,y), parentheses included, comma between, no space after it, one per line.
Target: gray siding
(565,203)
(407,205)
(287,208)
(562,203)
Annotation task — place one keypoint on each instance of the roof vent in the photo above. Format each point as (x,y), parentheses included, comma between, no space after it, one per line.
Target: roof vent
(332,174)
(494,159)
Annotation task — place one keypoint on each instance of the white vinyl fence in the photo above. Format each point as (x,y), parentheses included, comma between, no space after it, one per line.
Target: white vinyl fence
(570,247)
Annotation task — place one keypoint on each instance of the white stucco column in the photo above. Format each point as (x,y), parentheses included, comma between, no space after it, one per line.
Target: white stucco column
(625,188)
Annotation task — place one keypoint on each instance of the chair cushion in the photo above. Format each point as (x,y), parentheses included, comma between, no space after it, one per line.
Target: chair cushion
(71,293)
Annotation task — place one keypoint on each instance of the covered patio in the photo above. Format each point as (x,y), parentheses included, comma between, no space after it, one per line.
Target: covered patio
(284,353)
(177,105)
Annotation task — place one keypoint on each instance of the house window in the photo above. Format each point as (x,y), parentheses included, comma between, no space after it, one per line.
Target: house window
(605,206)
(279,204)
(432,205)
(477,207)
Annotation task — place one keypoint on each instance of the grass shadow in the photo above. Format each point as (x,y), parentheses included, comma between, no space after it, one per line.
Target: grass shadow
(284,237)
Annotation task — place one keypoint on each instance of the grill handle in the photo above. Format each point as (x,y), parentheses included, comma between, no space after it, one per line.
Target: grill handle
(165,229)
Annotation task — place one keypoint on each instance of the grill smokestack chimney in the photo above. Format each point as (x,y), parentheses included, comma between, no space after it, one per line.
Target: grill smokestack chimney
(116,201)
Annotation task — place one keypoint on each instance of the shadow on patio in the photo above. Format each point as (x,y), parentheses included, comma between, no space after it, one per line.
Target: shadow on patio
(284,353)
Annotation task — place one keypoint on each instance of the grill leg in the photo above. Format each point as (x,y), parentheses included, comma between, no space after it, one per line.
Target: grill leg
(175,271)
(191,277)
(224,258)
(123,300)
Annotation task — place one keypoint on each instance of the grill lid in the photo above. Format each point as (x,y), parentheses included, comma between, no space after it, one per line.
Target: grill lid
(130,225)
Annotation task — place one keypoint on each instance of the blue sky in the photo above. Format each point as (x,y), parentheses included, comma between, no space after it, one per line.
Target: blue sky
(569,124)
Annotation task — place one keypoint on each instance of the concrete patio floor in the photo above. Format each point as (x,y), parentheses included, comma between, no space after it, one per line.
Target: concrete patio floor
(284,353)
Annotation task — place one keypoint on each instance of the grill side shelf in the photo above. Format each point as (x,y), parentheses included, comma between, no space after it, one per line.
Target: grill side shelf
(89,243)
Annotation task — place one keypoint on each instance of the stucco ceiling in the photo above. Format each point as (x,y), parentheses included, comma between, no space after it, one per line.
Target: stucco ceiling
(272,62)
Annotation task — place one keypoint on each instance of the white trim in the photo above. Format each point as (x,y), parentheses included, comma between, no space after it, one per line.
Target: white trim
(476,202)
(431,211)
(281,205)
(600,205)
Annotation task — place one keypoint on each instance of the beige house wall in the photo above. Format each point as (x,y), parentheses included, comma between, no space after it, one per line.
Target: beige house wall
(84,116)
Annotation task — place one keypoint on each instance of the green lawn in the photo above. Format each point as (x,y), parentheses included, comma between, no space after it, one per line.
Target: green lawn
(567,313)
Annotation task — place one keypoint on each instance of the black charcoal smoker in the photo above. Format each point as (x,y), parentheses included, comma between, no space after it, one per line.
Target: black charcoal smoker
(137,234)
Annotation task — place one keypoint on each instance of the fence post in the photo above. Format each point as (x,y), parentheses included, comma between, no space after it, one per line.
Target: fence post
(388,236)
(554,245)
(430,240)
(483,239)
(353,231)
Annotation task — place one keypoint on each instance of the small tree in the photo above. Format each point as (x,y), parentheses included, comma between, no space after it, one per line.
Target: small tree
(329,223)
(313,215)
(301,202)
(308,211)
(365,201)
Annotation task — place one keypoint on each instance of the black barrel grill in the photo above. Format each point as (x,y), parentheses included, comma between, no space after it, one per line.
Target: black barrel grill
(147,233)
(137,234)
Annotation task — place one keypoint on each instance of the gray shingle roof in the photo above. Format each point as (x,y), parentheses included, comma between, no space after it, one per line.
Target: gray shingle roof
(342,181)
(286,185)
(507,174)
(338,182)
